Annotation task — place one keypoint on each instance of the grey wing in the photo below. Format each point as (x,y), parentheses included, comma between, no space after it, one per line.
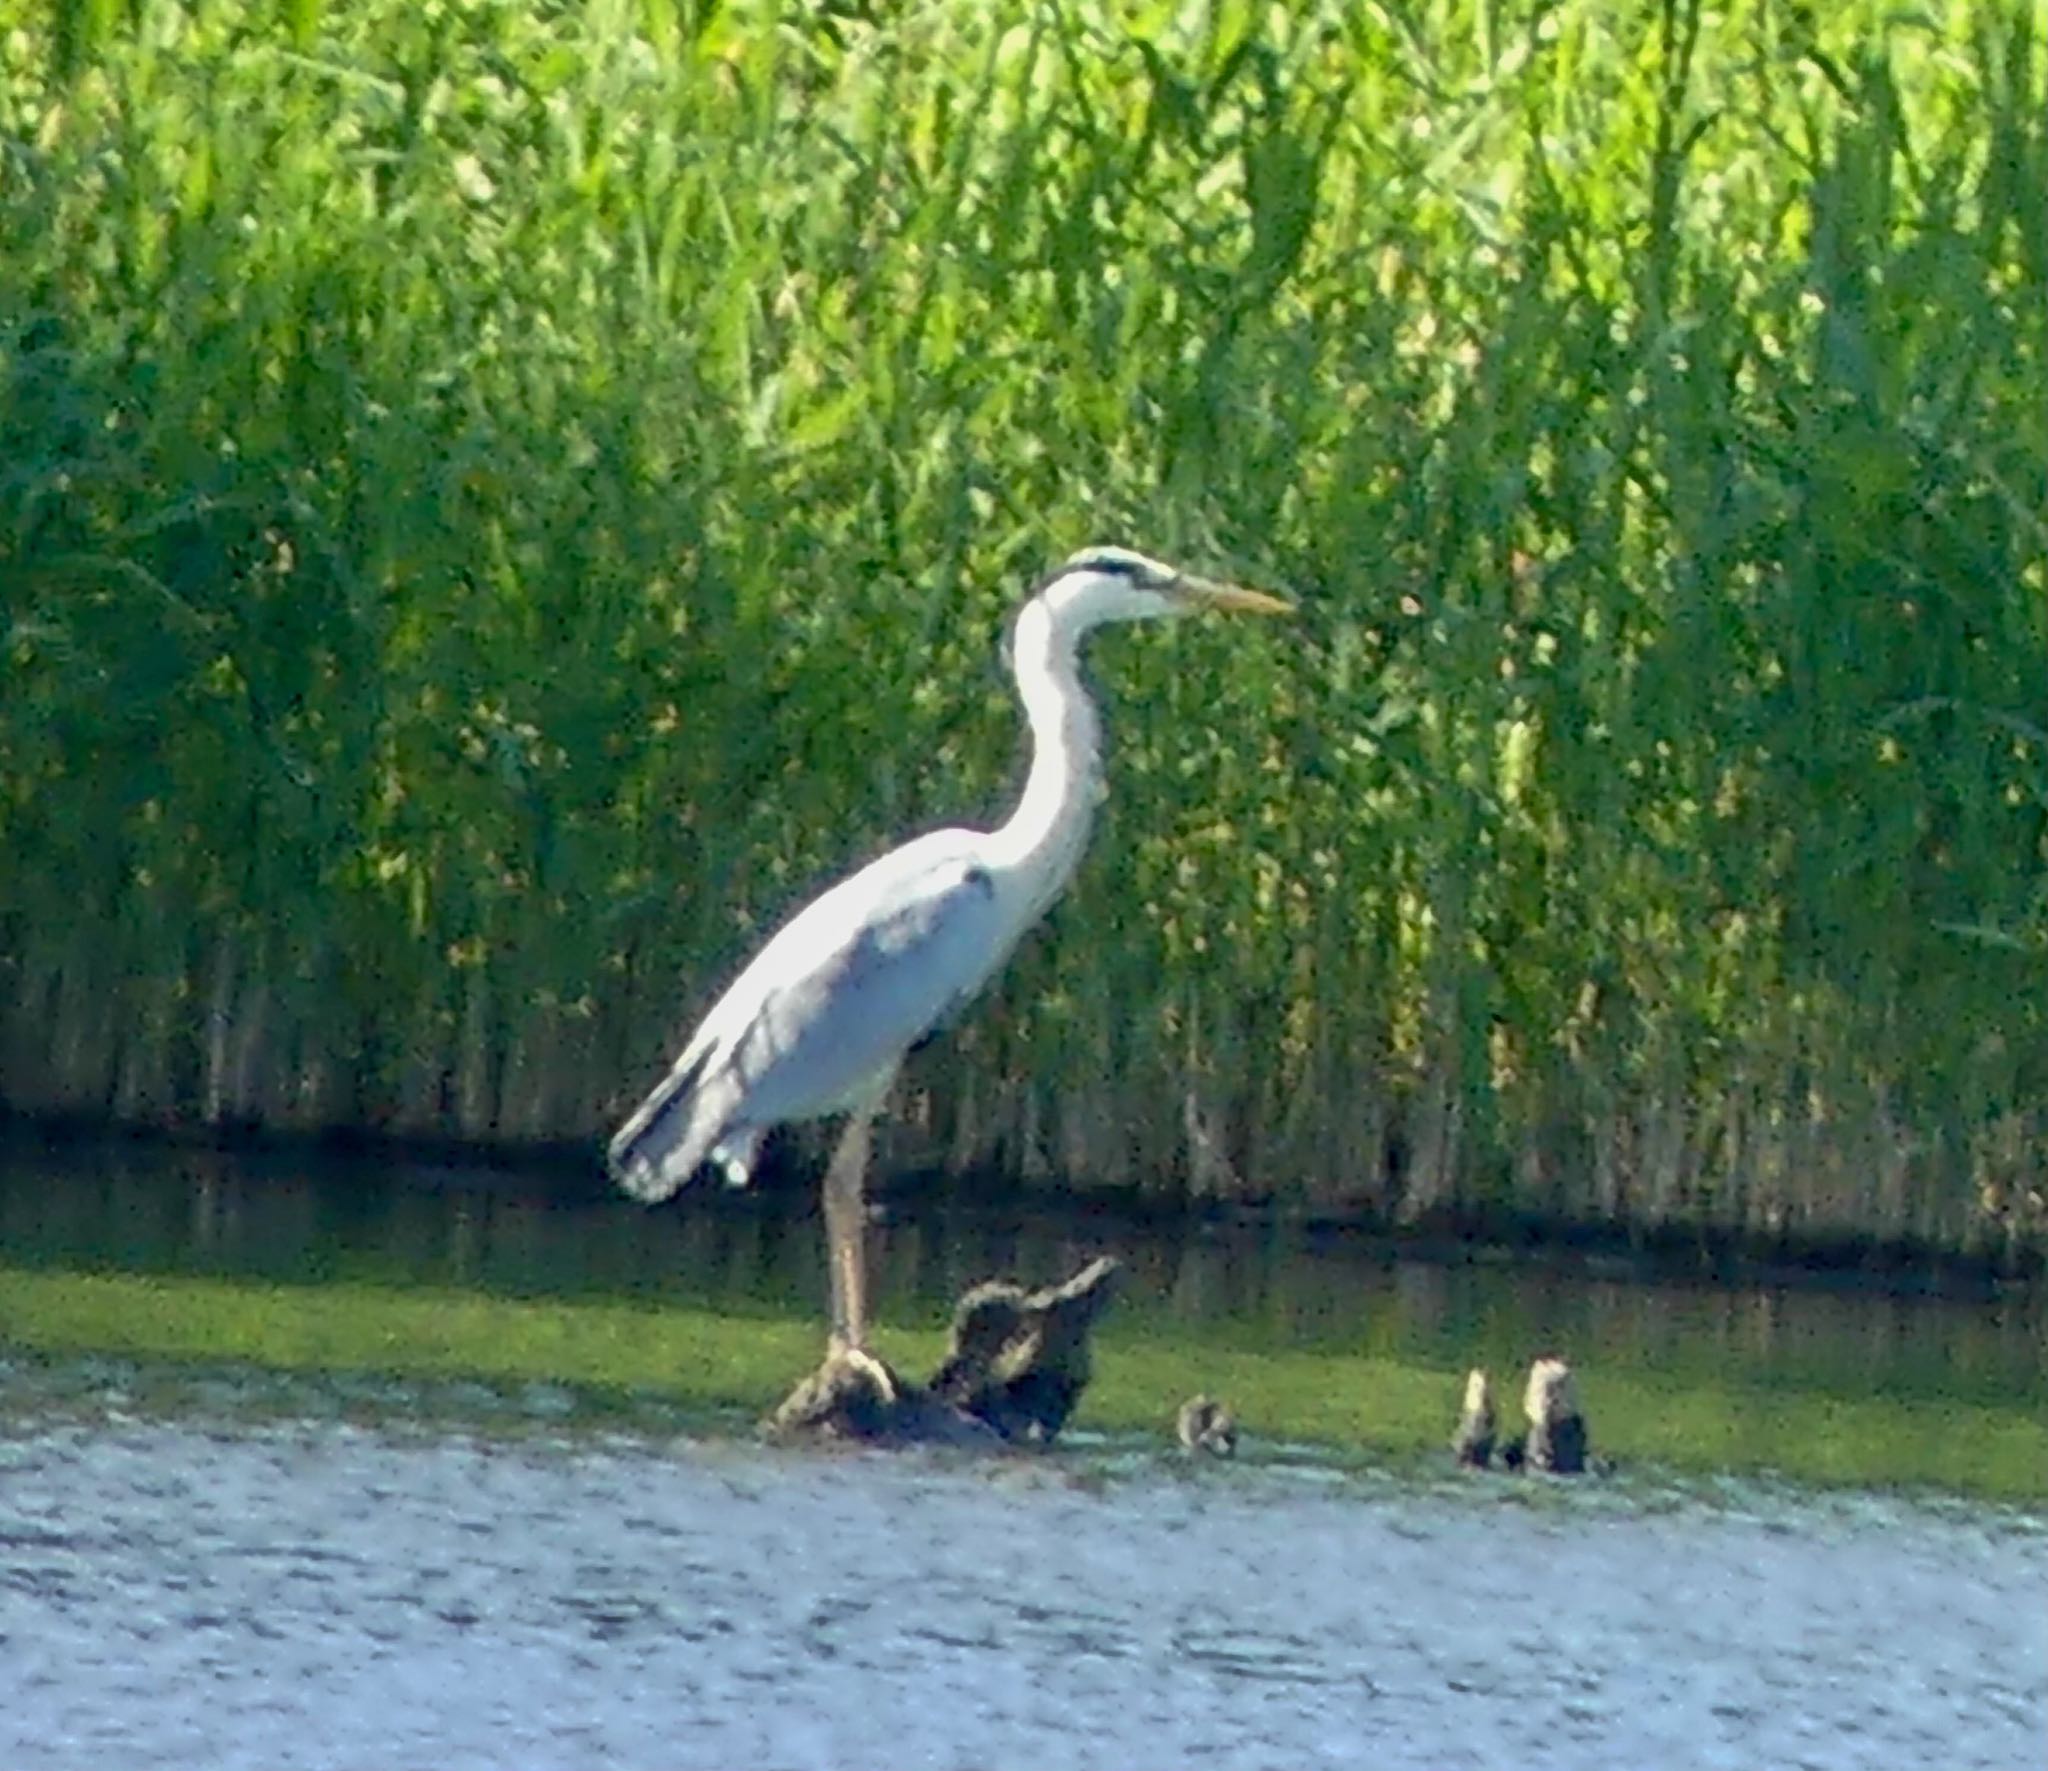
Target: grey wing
(822,1017)
(836,1032)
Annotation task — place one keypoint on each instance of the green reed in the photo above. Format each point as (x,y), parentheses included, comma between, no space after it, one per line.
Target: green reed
(498,499)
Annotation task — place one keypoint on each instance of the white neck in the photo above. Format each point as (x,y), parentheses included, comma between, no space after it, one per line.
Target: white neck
(1042,841)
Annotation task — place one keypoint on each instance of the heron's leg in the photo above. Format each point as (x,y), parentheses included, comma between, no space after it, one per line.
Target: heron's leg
(846,1232)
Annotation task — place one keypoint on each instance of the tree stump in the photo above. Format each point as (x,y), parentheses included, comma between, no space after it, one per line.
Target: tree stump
(1016,1365)
(1557,1425)
(1472,1444)
(1206,1425)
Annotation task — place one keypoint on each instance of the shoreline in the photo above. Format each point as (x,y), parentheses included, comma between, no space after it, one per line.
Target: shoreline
(614,1357)
(1668,1253)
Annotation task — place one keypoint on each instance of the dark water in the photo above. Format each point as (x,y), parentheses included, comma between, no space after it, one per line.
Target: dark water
(237,1569)
(1265,1289)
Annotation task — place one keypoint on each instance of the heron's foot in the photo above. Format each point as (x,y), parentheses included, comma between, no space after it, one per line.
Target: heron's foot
(852,1395)
(881,1382)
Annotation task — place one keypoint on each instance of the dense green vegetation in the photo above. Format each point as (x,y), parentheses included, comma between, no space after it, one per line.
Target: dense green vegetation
(615,1353)
(499,496)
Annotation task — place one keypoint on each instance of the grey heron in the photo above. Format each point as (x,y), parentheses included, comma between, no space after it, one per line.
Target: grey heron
(819,1021)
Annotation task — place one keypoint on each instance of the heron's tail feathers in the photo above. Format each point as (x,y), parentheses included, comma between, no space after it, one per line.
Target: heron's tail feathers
(686,1120)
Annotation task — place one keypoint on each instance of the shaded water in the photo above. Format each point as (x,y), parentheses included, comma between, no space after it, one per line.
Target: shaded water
(239,1580)
(1273,1288)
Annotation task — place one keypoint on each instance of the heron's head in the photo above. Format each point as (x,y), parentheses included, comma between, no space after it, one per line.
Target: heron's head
(1102,584)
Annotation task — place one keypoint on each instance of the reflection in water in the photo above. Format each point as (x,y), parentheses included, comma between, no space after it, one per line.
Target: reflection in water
(1264,1287)
(204,1585)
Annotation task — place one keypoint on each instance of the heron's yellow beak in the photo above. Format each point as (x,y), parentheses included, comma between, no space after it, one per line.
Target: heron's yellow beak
(1203,593)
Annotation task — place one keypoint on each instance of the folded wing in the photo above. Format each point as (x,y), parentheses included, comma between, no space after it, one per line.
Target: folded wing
(821,1018)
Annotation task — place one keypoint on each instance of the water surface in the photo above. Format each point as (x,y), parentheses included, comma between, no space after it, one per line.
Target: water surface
(1270,1288)
(204,1565)
(253,1574)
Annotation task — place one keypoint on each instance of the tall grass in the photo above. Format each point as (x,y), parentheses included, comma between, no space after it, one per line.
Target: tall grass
(497,499)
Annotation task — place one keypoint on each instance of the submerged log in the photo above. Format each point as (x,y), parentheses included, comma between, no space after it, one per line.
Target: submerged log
(1020,1360)
(1557,1425)
(1206,1425)
(855,1396)
(1016,1366)
(1556,1440)
(1472,1443)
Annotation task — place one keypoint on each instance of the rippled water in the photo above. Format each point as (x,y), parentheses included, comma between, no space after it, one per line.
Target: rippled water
(346,1578)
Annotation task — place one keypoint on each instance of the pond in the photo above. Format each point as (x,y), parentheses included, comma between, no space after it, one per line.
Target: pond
(243,1576)
(224,1563)
(1262,1288)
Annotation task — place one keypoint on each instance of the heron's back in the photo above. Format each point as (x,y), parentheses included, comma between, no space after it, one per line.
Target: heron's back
(821,1018)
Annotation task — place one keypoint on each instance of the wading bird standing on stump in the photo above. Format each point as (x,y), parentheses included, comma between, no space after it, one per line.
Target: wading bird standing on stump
(820,1021)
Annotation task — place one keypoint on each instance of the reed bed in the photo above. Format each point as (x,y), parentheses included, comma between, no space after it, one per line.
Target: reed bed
(497,499)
